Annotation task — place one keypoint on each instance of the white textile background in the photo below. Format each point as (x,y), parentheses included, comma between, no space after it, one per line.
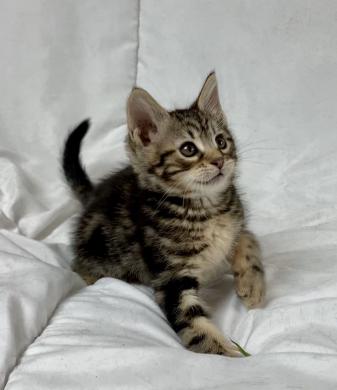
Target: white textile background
(63,61)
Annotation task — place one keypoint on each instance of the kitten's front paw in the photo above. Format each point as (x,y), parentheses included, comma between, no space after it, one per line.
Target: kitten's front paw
(208,344)
(250,286)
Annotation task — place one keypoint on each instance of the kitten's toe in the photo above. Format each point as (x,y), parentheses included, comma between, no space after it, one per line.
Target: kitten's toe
(213,346)
(250,287)
(231,350)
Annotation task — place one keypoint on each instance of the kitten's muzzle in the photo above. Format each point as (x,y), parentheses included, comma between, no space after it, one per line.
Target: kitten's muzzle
(213,179)
(218,162)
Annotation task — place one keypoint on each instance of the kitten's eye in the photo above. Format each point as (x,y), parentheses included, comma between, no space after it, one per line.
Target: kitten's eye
(188,149)
(221,142)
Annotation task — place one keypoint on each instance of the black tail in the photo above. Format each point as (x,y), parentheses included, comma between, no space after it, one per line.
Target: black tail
(73,170)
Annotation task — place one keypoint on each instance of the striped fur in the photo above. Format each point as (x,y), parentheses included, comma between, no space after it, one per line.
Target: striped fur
(169,221)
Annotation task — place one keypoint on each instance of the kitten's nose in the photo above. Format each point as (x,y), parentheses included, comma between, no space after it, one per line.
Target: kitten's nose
(218,162)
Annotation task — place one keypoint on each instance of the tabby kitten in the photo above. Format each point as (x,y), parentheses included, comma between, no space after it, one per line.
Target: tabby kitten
(173,219)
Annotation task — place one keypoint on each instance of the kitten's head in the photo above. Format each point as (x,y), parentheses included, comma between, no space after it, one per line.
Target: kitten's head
(189,152)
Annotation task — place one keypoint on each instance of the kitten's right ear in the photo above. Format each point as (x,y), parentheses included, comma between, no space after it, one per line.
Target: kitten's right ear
(144,115)
(208,99)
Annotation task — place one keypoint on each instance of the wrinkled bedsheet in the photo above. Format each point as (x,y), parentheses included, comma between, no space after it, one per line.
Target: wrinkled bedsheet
(276,66)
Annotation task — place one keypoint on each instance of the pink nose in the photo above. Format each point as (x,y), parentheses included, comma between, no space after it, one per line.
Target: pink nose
(218,162)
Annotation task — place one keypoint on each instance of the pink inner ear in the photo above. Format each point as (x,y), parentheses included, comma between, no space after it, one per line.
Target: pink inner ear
(214,98)
(145,128)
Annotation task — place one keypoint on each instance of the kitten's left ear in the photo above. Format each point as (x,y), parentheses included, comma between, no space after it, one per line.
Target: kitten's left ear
(208,99)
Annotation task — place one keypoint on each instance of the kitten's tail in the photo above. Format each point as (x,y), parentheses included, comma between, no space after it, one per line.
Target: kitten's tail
(73,170)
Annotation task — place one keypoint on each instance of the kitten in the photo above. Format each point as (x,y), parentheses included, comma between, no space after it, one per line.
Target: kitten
(173,219)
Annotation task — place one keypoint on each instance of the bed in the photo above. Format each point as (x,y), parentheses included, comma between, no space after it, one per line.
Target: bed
(276,66)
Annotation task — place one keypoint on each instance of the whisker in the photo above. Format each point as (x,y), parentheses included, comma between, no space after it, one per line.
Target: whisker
(254,162)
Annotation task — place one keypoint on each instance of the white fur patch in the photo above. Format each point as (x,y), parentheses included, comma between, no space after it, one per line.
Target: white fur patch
(220,234)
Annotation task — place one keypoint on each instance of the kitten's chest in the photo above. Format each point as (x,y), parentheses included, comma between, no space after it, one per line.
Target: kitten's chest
(219,236)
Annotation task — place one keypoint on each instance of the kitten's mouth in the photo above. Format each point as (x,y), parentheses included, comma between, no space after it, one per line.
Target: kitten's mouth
(213,180)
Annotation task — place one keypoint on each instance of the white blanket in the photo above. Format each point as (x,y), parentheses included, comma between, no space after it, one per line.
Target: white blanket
(64,61)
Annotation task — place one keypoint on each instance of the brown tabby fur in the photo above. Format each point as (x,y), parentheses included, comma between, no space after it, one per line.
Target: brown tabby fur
(169,221)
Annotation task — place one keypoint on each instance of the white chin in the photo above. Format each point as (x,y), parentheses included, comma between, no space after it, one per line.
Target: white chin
(213,186)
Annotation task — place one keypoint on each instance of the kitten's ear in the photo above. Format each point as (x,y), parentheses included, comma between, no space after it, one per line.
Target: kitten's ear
(208,99)
(145,115)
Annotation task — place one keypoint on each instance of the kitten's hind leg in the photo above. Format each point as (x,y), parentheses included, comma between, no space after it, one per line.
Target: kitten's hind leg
(89,279)
(188,316)
(248,271)
(88,276)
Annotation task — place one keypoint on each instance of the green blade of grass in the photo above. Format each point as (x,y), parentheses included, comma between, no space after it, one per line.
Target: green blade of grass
(244,353)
